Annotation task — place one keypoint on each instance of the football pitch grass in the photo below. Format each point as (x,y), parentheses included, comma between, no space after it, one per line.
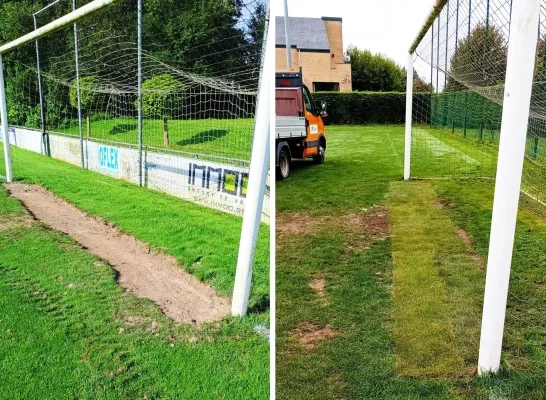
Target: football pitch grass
(225,138)
(380,281)
(69,331)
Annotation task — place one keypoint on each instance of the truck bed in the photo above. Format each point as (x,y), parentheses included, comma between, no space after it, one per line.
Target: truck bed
(290,127)
(290,122)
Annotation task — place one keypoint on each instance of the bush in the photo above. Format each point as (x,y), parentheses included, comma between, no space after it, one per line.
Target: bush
(160,96)
(364,108)
(88,93)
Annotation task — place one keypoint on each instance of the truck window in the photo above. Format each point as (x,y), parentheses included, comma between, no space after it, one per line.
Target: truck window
(307,99)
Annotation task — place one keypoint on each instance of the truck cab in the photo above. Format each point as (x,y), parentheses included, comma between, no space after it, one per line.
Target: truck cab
(298,123)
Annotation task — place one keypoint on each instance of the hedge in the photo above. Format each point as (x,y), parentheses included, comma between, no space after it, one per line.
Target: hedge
(363,108)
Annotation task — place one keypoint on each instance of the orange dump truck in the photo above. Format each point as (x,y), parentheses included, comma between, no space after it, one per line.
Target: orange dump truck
(298,122)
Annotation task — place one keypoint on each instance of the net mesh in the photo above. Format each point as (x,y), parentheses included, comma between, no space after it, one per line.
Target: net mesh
(460,68)
(201,63)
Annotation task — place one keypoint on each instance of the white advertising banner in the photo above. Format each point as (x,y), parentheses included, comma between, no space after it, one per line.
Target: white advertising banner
(215,185)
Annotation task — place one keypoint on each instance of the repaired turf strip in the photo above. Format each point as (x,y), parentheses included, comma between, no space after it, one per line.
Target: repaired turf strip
(437,286)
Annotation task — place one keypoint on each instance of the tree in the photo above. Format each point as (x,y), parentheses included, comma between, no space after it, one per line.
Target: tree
(419,85)
(479,60)
(375,72)
(203,35)
(256,29)
(160,96)
(208,37)
(88,92)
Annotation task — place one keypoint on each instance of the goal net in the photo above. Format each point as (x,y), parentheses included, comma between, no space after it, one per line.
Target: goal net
(460,60)
(181,120)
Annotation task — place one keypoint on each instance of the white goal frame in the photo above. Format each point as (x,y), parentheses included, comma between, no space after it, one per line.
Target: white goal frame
(515,115)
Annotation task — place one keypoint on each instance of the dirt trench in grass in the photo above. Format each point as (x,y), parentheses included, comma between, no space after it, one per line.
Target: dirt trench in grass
(145,273)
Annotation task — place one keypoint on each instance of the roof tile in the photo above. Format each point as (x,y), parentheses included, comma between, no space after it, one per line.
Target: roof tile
(305,33)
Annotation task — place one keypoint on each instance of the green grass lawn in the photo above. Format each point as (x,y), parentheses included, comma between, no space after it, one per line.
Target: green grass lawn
(396,311)
(230,138)
(68,331)
(442,153)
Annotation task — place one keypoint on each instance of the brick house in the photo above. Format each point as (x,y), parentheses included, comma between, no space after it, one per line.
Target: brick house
(317,47)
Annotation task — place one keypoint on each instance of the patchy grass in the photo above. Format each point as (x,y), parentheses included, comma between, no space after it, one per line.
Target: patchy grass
(203,240)
(525,332)
(360,162)
(440,153)
(69,331)
(310,335)
(324,233)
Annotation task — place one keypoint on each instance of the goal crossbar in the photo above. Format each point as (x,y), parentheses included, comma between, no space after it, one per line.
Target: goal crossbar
(436,9)
(60,23)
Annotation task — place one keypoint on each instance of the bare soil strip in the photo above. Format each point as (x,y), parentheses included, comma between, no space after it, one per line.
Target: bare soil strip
(145,273)
(478,260)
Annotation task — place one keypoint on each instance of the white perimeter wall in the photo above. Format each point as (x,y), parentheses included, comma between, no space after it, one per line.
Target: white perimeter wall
(211,184)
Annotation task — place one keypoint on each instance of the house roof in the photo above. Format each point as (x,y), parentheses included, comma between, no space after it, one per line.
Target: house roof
(305,33)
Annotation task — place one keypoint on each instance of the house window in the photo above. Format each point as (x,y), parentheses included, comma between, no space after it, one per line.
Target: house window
(326,87)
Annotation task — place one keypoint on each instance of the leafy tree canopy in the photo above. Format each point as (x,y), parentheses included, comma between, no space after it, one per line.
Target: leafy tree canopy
(375,72)
(88,92)
(160,95)
(479,60)
(220,38)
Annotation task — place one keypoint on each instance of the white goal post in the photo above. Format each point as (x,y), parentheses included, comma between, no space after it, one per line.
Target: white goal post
(516,102)
(515,116)
(259,163)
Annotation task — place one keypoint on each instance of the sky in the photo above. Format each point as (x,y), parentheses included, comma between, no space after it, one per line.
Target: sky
(382,26)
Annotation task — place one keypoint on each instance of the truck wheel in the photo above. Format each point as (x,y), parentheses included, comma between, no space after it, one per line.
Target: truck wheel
(319,158)
(283,170)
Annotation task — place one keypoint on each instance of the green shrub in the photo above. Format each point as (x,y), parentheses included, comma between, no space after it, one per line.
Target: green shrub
(88,92)
(22,98)
(160,96)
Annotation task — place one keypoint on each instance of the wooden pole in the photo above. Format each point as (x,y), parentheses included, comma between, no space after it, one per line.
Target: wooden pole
(165,132)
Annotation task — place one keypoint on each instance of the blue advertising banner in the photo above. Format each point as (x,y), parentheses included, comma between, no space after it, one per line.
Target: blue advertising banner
(109,159)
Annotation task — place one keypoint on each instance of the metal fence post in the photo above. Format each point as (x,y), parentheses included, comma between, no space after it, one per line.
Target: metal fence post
(438,58)
(466,94)
(483,63)
(45,136)
(455,50)
(78,90)
(409,108)
(446,97)
(139,55)
(287,36)
(431,72)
